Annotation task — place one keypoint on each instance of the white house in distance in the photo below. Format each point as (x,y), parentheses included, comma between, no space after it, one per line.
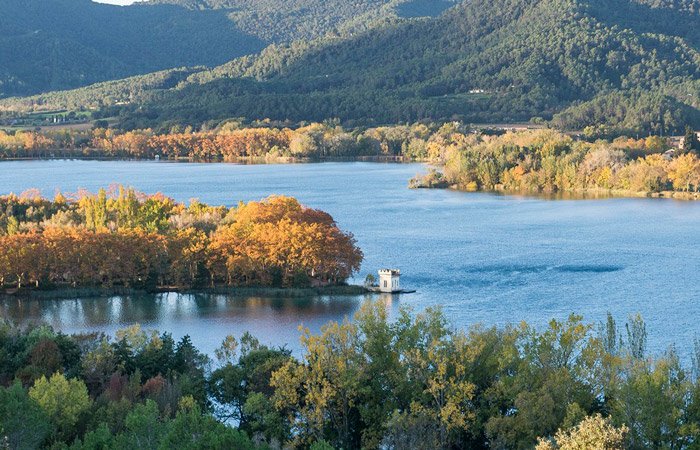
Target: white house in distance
(389,280)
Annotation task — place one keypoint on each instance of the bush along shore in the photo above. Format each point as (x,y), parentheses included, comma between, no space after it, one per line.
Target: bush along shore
(409,383)
(123,239)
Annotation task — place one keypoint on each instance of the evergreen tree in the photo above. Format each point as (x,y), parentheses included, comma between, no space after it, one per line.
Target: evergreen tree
(690,141)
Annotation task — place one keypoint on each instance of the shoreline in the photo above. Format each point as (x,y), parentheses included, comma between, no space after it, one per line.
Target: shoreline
(248,291)
(576,194)
(240,160)
(600,194)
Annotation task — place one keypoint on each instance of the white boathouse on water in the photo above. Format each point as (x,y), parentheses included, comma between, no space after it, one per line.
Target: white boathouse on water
(389,280)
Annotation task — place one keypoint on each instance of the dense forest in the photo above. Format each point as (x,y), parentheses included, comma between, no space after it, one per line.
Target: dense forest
(630,66)
(124,238)
(480,61)
(50,45)
(410,383)
(547,161)
(60,44)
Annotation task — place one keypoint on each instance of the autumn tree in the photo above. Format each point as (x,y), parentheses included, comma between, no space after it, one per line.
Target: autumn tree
(593,432)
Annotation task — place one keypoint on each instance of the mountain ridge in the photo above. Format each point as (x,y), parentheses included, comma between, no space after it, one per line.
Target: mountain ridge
(50,45)
(480,61)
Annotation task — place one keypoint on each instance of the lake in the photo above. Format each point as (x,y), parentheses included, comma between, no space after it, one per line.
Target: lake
(483,258)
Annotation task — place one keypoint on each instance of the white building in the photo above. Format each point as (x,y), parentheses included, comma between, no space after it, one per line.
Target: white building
(389,280)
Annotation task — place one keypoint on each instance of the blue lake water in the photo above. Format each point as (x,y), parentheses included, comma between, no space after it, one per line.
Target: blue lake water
(483,258)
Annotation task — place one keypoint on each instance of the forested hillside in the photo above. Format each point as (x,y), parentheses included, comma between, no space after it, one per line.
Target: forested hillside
(617,62)
(622,66)
(59,44)
(282,21)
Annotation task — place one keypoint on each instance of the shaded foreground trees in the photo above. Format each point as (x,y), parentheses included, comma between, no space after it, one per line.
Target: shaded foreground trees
(410,383)
(133,240)
(140,391)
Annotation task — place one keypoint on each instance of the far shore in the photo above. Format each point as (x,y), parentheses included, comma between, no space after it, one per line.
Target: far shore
(64,293)
(240,160)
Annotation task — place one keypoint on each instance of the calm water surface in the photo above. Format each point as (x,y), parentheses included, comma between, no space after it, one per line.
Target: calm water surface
(483,258)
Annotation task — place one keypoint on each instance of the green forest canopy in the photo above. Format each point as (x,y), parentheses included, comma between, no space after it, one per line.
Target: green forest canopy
(409,383)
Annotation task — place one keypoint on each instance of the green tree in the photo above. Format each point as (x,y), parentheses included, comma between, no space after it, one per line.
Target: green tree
(144,427)
(23,423)
(193,430)
(690,141)
(99,438)
(652,401)
(323,391)
(63,401)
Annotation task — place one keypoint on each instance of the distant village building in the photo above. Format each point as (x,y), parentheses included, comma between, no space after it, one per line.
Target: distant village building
(389,280)
(676,142)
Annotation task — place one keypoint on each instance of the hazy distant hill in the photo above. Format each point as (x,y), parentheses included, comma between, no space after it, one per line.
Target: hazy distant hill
(632,65)
(60,44)
(57,44)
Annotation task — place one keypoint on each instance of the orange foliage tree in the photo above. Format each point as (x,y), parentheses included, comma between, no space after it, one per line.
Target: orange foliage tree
(124,238)
(280,242)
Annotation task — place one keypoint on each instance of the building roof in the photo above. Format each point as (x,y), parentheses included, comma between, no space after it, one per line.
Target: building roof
(392,272)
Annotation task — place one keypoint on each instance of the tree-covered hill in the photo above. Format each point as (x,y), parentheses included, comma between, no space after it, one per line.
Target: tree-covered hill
(59,44)
(628,65)
(482,61)
(280,20)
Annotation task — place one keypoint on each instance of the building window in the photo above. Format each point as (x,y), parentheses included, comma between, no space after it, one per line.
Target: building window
(384,283)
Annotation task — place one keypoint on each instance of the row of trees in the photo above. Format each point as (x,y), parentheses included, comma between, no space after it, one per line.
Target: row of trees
(129,239)
(547,161)
(412,383)
(227,142)
(232,140)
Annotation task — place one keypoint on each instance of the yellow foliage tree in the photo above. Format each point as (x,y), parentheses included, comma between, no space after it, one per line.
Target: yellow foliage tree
(593,433)
(63,400)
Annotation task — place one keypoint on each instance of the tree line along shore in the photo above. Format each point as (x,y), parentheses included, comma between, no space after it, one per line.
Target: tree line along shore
(545,161)
(123,238)
(409,383)
(530,161)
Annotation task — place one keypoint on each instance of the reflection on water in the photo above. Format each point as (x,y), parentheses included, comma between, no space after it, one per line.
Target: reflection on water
(208,317)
